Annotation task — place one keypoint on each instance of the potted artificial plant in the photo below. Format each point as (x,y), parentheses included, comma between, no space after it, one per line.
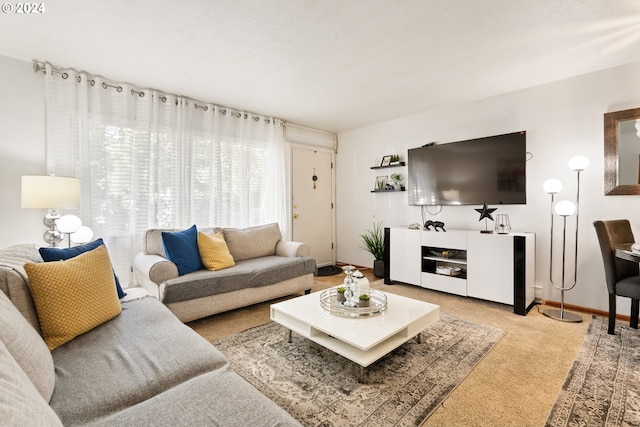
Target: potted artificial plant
(373,242)
(340,293)
(397,180)
(364,300)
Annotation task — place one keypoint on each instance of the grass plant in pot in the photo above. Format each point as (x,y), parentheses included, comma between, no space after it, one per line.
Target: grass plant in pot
(373,242)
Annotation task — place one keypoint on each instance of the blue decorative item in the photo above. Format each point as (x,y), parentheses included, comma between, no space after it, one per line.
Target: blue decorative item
(181,248)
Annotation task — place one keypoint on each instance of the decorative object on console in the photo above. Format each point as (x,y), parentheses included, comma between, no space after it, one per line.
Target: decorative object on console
(485,213)
(564,208)
(435,224)
(50,192)
(373,242)
(503,225)
(444,252)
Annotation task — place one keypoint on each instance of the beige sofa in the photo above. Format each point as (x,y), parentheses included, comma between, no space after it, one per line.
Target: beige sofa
(266,267)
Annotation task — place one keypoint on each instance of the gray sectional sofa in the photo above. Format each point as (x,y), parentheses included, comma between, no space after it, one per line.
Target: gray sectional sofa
(266,267)
(143,367)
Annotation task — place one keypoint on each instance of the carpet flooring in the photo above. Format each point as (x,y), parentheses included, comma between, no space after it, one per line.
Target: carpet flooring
(321,388)
(603,385)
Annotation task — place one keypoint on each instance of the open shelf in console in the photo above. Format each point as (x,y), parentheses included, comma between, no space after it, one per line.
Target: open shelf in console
(444,261)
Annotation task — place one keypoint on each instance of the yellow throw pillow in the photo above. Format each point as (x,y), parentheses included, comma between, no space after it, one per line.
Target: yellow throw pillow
(73,296)
(214,251)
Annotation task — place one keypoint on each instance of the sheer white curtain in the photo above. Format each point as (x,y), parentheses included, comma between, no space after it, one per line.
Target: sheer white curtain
(148,159)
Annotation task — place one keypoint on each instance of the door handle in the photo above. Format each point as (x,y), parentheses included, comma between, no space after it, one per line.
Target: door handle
(296,216)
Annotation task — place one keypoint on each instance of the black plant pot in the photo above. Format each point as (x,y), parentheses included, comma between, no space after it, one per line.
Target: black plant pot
(378,269)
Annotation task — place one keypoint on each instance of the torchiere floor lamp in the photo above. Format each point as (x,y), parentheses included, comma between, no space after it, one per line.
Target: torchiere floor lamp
(564,209)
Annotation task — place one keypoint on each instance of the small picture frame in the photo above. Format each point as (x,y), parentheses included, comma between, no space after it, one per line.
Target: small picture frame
(381,183)
(386,160)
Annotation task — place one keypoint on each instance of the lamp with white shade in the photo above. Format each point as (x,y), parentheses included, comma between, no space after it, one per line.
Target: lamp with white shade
(578,163)
(50,192)
(552,186)
(565,208)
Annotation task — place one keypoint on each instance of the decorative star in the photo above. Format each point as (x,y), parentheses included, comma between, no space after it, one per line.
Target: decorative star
(485,212)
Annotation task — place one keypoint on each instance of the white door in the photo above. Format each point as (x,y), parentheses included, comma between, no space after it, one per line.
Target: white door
(312,190)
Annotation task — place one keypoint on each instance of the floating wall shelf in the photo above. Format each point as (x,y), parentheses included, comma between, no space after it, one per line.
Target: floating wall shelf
(390,166)
(387,191)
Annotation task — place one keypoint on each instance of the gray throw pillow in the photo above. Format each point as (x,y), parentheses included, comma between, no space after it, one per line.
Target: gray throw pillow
(252,242)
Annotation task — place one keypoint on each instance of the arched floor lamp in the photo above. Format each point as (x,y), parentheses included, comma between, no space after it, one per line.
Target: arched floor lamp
(71,226)
(564,209)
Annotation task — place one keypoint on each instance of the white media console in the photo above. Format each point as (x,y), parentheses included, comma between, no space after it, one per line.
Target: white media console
(493,267)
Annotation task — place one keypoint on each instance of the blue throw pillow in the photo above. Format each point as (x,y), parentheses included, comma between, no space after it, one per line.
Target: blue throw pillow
(61,254)
(181,248)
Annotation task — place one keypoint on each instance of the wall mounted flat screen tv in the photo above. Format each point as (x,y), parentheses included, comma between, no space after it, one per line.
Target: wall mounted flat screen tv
(471,172)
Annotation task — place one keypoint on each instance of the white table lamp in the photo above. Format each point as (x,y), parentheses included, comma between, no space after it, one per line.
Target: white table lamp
(51,192)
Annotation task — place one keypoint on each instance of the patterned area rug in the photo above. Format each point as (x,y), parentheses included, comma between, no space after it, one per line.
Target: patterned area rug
(603,385)
(320,388)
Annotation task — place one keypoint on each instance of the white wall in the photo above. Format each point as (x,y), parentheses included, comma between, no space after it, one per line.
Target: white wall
(562,119)
(22,149)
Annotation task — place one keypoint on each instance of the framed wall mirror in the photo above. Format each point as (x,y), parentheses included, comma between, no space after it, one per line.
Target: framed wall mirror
(622,152)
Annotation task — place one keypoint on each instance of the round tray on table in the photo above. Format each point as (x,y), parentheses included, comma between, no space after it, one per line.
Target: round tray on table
(377,304)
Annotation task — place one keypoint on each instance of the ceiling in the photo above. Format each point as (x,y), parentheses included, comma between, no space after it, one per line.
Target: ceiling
(333,65)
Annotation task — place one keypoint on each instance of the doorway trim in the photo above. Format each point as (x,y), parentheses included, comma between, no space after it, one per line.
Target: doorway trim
(332,152)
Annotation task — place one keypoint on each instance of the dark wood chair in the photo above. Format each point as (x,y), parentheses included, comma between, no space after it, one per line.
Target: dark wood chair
(622,276)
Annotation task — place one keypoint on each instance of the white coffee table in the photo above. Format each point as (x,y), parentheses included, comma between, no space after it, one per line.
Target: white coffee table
(361,340)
